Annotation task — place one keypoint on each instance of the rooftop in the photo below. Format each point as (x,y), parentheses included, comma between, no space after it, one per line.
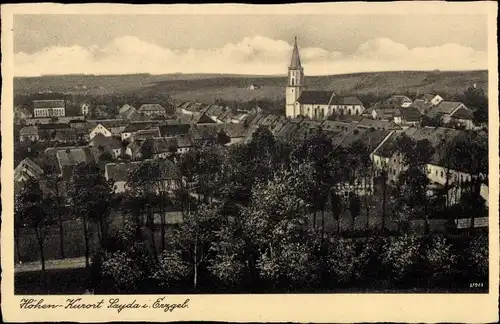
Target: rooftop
(316,97)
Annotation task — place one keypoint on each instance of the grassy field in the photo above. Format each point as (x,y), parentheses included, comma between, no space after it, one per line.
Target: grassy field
(207,88)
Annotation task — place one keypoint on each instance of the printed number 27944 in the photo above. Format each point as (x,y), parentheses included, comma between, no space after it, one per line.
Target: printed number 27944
(476,285)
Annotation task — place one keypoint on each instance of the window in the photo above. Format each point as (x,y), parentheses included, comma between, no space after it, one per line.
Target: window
(442,174)
(436,172)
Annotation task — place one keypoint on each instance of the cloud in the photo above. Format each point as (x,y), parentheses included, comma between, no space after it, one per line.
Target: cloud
(252,55)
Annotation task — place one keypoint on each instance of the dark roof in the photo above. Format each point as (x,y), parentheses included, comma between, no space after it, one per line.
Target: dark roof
(29,168)
(184,141)
(40,104)
(174,129)
(28,130)
(377,124)
(120,171)
(105,141)
(349,118)
(410,114)
(152,107)
(52,126)
(146,133)
(444,107)
(162,145)
(315,97)
(422,106)
(399,99)
(354,101)
(136,126)
(463,113)
(108,123)
(388,113)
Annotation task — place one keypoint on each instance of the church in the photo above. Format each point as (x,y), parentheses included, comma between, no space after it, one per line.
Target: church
(314,104)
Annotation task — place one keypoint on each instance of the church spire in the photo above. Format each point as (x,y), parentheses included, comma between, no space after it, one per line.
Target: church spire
(295,63)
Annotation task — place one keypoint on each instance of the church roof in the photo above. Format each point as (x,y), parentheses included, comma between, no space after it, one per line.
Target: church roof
(315,97)
(295,62)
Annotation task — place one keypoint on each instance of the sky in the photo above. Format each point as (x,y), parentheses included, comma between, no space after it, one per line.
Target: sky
(246,44)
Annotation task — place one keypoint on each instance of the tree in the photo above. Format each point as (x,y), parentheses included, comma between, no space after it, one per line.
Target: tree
(34,209)
(229,265)
(315,150)
(476,99)
(56,187)
(147,150)
(106,157)
(195,235)
(222,138)
(90,196)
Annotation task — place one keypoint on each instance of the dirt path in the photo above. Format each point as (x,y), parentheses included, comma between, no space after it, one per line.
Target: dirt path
(70,263)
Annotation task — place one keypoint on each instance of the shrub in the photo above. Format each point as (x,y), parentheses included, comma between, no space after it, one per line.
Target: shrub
(400,255)
(478,254)
(121,270)
(342,260)
(440,259)
(171,268)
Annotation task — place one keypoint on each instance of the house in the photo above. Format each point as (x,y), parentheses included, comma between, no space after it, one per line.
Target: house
(214,111)
(173,130)
(386,157)
(27,169)
(68,158)
(162,147)
(201,118)
(152,110)
(389,114)
(28,133)
(118,173)
(49,131)
(254,86)
(201,133)
(432,99)
(422,106)
(377,124)
(184,143)
(128,112)
(100,129)
(134,127)
(410,116)
(449,111)
(107,144)
(107,127)
(238,118)
(145,134)
(400,101)
(85,109)
(65,135)
(49,108)
(77,123)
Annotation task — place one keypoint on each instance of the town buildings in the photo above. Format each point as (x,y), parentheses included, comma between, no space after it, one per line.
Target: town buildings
(49,108)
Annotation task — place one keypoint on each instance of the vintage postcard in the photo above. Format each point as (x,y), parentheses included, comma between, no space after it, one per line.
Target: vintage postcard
(332,162)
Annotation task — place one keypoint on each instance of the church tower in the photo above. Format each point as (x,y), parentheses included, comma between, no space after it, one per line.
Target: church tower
(295,84)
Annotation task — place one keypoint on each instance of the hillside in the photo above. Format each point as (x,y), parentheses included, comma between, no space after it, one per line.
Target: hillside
(207,88)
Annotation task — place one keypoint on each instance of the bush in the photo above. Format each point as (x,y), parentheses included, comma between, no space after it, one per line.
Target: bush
(400,255)
(292,265)
(171,268)
(342,260)
(478,254)
(440,259)
(121,270)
